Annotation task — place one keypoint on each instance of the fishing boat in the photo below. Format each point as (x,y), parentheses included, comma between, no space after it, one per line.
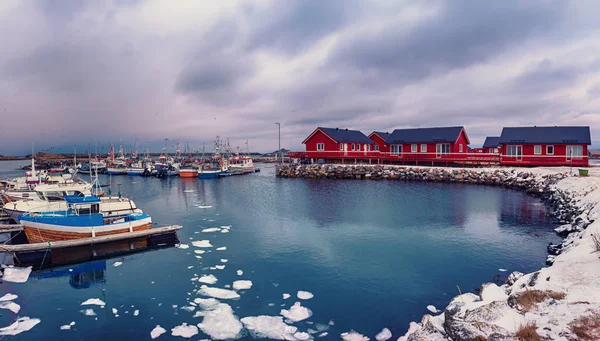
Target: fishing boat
(117,169)
(136,168)
(213,168)
(82,219)
(188,172)
(241,164)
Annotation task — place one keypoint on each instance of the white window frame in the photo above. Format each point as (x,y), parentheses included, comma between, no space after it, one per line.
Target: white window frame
(376,147)
(571,155)
(537,149)
(396,149)
(341,147)
(442,149)
(549,146)
(320,147)
(423,147)
(353,147)
(413,148)
(460,147)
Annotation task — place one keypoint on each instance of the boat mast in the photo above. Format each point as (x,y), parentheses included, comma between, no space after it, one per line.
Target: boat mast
(74,157)
(33,174)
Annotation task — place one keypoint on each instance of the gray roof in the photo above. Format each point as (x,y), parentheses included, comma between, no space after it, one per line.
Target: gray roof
(424,135)
(382,134)
(491,142)
(546,135)
(346,135)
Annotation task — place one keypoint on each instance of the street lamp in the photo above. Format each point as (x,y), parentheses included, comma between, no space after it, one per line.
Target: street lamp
(279,150)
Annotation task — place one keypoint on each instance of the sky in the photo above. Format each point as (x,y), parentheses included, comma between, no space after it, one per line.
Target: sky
(100,71)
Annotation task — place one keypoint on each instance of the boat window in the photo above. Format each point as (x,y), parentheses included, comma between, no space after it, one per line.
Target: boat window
(95,208)
(41,195)
(54,196)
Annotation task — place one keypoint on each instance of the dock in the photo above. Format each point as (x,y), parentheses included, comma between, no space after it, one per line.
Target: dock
(4,228)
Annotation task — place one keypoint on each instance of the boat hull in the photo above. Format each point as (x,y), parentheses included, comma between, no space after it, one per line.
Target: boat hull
(116,171)
(210,174)
(53,233)
(188,174)
(135,172)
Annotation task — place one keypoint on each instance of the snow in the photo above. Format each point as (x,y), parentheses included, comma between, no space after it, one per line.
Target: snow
(212,229)
(240,272)
(8,297)
(224,294)
(202,243)
(88,312)
(269,327)
(222,248)
(490,292)
(94,301)
(220,324)
(286,296)
(115,264)
(412,328)
(157,331)
(204,206)
(432,309)
(12,306)
(219,267)
(304,295)
(182,246)
(184,330)
(383,335)
(242,285)
(199,251)
(296,313)
(16,275)
(22,324)
(210,279)
(353,336)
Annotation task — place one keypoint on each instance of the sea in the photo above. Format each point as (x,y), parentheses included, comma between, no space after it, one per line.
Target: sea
(358,255)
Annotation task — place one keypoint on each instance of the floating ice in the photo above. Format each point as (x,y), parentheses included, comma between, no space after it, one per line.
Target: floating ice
(211,229)
(226,227)
(72,323)
(206,303)
(202,243)
(182,246)
(269,327)
(94,301)
(12,306)
(88,312)
(157,331)
(16,275)
(242,285)
(65,327)
(224,231)
(136,312)
(323,334)
(218,293)
(296,313)
(222,248)
(219,323)
(188,308)
(240,272)
(115,264)
(22,324)
(204,206)
(199,251)
(8,297)
(353,336)
(188,191)
(302,336)
(383,335)
(115,311)
(321,327)
(184,331)
(502,270)
(210,279)
(304,295)
(220,267)
(224,260)
(432,309)
(286,296)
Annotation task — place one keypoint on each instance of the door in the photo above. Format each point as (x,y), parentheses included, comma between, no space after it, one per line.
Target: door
(366,148)
(345,149)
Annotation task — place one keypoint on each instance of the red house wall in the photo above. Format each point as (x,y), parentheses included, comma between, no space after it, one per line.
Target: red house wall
(384,148)
(320,137)
(462,139)
(557,159)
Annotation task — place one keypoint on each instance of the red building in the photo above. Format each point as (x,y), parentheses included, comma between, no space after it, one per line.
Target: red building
(339,144)
(545,146)
(428,144)
(491,144)
(379,139)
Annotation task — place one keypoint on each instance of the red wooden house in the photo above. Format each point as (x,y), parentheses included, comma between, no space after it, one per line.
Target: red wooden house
(379,139)
(491,144)
(545,146)
(339,144)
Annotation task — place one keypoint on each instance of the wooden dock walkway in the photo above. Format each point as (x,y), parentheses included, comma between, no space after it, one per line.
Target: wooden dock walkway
(10,228)
(86,241)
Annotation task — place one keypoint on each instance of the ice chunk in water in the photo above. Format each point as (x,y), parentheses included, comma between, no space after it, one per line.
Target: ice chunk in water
(353,336)
(269,327)
(88,312)
(240,272)
(115,264)
(211,229)
(225,231)
(210,279)
(242,285)
(304,295)
(222,248)
(16,275)
(220,324)
(182,246)
(115,311)
(206,303)
(184,331)
(136,312)
(22,324)
(65,327)
(224,260)
(199,251)
(432,309)
(202,243)
(220,267)
(384,335)
(94,301)
(12,306)
(323,334)
(157,331)
(502,270)
(218,293)
(296,313)
(286,296)
(188,308)
(8,297)
(302,336)
(204,206)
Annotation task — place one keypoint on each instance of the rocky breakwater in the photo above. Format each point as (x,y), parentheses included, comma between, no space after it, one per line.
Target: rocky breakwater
(558,302)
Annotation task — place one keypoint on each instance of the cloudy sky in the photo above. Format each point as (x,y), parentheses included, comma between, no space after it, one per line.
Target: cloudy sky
(95,71)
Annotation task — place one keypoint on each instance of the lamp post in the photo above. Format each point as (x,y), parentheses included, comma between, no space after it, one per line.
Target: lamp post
(279,133)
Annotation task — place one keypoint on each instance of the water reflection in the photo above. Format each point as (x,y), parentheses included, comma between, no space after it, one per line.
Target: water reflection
(82,276)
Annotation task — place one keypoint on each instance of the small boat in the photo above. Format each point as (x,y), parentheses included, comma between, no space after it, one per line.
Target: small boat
(136,168)
(82,219)
(241,164)
(213,169)
(118,168)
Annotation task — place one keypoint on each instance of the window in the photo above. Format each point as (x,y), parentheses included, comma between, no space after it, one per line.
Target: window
(367,147)
(442,148)
(341,146)
(575,152)
(413,148)
(376,147)
(537,150)
(396,148)
(514,150)
(320,146)
(491,150)
(353,147)
(460,148)
(424,148)
(550,150)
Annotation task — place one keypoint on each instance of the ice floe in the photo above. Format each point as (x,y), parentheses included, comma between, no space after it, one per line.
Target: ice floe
(188,308)
(88,312)
(8,297)
(206,303)
(301,336)
(115,311)
(304,295)
(10,305)
(240,272)
(432,309)
(242,285)
(184,330)
(182,246)
(93,301)
(208,279)
(199,251)
(218,293)
(16,275)
(157,331)
(220,324)
(269,327)
(202,243)
(115,264)
(502,270)
(136,312)
(296,313)
(22,324)
(211,229)
(224,260)
(204,206)
(224,231)
(188,191)
(222,248)
(286,296)
(353,336)
(220,267)
(383,335)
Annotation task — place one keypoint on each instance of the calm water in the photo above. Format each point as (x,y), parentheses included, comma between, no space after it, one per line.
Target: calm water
(374,254)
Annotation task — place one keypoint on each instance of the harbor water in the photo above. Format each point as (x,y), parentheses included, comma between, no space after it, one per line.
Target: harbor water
(373,254)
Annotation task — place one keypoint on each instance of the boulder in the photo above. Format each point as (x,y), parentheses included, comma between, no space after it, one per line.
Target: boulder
(513,277)
(490,292)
